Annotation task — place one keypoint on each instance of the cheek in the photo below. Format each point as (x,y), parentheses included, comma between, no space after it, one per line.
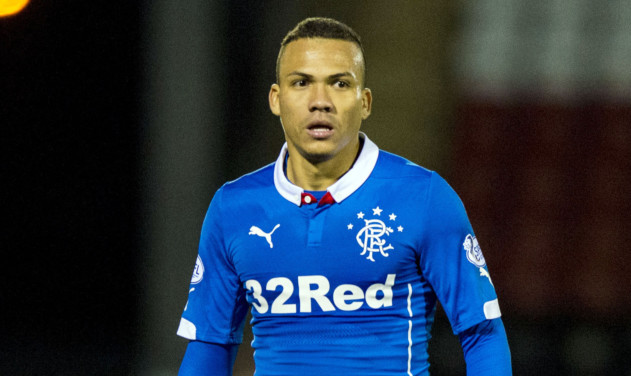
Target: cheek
(354,114)
(290,106)
(289,119)
(285,112)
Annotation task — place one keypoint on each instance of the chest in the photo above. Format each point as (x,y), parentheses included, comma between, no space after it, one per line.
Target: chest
(356,244)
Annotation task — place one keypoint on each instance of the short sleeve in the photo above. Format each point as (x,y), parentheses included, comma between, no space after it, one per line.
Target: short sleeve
(216,307)
(452,261)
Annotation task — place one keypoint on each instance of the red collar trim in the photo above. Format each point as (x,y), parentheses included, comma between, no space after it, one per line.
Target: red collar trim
(308,198)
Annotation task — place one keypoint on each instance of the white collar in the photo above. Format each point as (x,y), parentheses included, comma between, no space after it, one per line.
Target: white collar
(341,189)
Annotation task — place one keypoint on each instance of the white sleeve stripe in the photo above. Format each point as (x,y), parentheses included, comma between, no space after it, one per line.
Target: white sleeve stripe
(492,310)
(410,330)
(187,329)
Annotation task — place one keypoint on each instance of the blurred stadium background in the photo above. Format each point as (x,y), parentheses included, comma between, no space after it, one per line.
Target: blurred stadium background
(120,119)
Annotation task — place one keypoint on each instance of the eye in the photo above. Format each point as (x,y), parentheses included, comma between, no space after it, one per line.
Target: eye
(341,84)
(300,83)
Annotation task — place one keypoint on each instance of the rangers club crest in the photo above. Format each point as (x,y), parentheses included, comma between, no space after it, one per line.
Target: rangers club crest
(373,236)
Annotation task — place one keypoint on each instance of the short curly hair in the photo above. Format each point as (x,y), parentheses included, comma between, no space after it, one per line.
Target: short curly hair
(321,27)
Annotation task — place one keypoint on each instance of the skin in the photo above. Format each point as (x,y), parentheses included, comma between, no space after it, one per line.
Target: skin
(321,102)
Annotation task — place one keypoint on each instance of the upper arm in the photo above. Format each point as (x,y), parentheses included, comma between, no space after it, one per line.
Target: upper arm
(486,350)
(204,358)
(216,307)
(451,260)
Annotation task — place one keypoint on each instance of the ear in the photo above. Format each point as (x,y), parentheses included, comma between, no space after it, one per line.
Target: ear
(366,103)
(274,103)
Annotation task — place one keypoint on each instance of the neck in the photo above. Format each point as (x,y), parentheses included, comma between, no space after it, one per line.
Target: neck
(318,176)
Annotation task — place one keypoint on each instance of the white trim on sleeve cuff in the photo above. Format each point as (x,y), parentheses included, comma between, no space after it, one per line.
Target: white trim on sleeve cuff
(187,329)
(492,310)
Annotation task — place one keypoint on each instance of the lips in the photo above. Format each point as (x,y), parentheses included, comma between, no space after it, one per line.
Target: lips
(320,129)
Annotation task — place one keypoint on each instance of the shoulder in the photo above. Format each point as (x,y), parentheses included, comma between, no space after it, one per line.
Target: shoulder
(399,170)
(395,167)
(261,178)
(390,164)
(255,184)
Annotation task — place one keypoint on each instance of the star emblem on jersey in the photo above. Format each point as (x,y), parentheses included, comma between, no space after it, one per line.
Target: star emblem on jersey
(373,235)
(268,236)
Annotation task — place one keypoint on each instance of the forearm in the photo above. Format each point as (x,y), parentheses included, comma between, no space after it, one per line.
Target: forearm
(486,350)
(203,358)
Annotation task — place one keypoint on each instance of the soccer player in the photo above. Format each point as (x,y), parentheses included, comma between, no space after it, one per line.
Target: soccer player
(341,250)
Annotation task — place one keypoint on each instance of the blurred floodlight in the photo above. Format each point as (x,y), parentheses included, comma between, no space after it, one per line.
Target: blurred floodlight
(10,7)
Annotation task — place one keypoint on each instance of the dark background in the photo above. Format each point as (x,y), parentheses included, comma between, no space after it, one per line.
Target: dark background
(100,219)
(69,105)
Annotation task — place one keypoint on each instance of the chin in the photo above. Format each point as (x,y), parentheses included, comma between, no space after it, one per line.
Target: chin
(317,157)
(317,153)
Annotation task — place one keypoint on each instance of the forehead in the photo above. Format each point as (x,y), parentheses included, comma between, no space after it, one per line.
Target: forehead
(323,55)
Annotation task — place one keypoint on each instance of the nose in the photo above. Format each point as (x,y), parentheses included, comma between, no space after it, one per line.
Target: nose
(320,99)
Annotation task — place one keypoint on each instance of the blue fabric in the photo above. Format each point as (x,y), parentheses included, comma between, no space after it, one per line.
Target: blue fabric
(203,358)
(317,194)
(346,288)
(486,350)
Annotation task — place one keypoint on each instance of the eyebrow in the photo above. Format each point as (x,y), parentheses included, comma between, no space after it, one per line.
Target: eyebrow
(333,76)
(343,74)
(301,74)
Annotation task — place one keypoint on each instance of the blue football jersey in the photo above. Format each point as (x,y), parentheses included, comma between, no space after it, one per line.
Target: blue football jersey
(344,285)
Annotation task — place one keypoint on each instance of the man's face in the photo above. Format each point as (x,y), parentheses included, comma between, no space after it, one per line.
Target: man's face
(320,98)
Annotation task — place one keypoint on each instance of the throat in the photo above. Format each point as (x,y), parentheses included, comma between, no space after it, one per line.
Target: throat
(311,177)
(317,175)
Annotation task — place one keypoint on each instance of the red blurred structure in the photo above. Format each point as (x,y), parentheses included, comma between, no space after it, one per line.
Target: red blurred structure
(547,188)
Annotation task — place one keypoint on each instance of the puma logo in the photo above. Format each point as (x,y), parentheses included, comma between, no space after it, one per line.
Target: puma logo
(258,232)
(484,273)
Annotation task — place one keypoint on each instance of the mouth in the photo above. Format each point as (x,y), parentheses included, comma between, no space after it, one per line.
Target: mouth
(320,129)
